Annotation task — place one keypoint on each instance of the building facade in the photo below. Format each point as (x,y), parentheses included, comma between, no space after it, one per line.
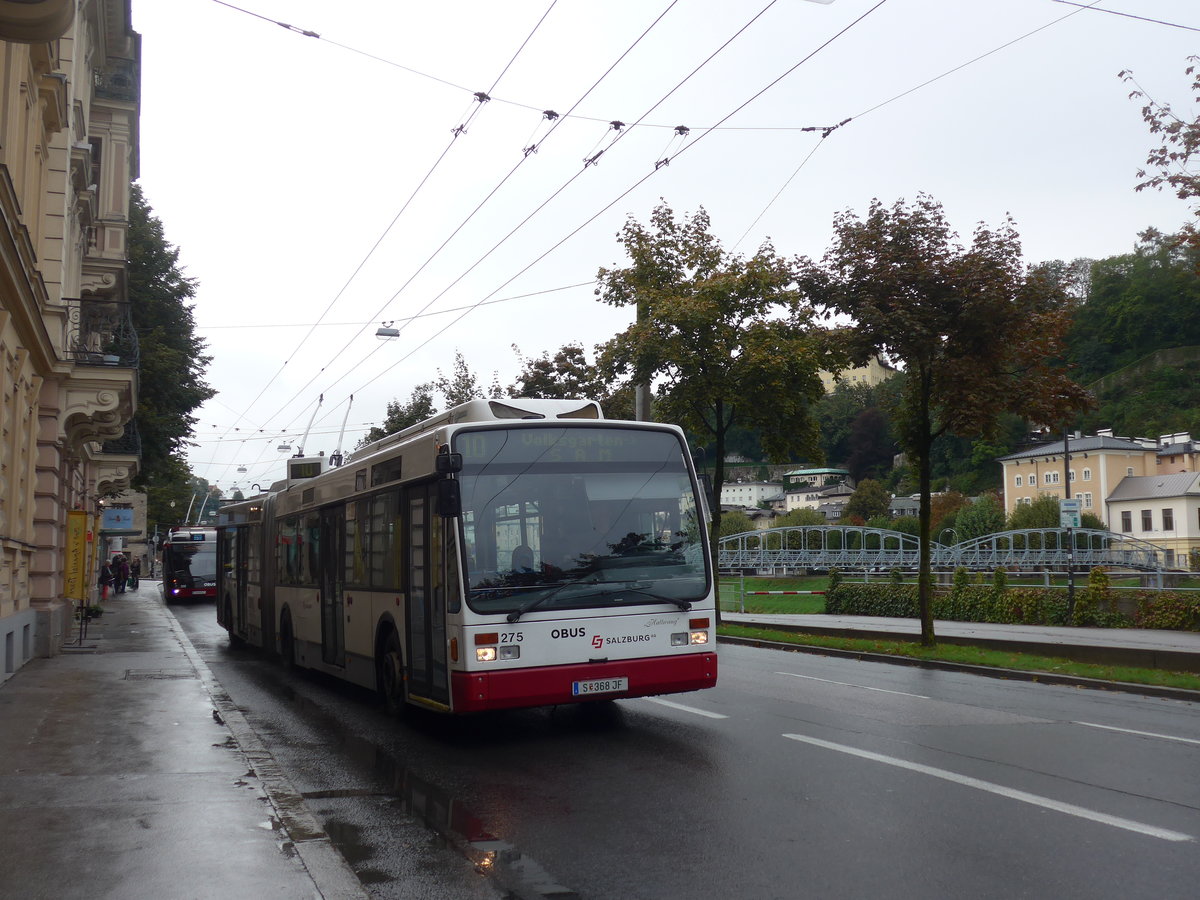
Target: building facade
(69,86)
(1162,509)
(1145,488)
(748,493)
(874,372)
(1097,465)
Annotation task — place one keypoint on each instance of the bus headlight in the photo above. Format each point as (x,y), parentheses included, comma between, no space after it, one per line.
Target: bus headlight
(485,654)
(699,637)
(679,639)
(510,652)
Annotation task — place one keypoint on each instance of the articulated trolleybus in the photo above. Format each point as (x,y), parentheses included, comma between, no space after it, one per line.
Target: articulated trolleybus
(189,564)
(502,554)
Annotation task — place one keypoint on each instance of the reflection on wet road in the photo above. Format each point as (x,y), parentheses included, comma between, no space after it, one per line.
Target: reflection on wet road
(772,785)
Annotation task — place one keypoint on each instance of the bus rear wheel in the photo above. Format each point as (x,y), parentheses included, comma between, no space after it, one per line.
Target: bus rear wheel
(389,675)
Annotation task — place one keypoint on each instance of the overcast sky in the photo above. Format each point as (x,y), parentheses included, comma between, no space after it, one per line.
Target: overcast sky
(317,181)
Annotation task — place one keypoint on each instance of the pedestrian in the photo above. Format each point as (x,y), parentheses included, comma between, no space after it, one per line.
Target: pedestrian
(120,572)
(106,579)
(135,571)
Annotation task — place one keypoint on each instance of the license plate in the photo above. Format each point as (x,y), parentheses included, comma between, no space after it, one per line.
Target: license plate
(599,686)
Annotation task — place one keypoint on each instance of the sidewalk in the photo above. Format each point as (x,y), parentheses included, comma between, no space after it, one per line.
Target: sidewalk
(1140,647)
(124,773)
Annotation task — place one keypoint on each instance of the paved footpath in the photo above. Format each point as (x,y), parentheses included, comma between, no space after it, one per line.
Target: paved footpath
(125,773)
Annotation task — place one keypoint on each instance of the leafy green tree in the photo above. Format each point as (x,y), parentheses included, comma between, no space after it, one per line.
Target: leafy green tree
(419,407)
(801,516)
(1138,303)
(976,333)
(568,375)
(984,516)
(720,334)
(463,385)
(869,499)
(735,522)
(871,445)
(1041,513)
(173,359)
(1171,163)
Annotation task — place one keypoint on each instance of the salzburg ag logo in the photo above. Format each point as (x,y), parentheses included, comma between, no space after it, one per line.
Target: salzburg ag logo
(597,642)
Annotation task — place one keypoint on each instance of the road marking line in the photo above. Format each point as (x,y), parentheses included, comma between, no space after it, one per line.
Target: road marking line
(861,687)
(691,709)
(1165,737)
(1025,797)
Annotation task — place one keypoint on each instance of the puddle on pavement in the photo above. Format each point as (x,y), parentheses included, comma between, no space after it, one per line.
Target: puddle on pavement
(512,872)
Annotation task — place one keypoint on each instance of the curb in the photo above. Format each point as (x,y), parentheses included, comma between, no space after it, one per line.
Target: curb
(1097,684)
(331,874)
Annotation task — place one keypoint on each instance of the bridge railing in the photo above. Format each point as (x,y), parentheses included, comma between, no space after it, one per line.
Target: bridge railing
(853,548)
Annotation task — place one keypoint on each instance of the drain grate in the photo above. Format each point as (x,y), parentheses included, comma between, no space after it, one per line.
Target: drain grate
(157,674)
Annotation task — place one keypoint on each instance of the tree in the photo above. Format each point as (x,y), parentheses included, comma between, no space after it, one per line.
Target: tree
(869,499)
(735,522)
(1041,513)
(568,375)
(984,516)
(870,444)
(1171,161)
(976,333)
(801,516)
(728,339)
(463,385)
(172,360)
(402,415)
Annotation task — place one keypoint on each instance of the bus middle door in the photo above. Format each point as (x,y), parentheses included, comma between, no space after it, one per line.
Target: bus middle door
(333,622)
(428,677)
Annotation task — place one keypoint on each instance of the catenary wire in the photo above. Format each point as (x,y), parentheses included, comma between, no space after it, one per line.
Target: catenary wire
(455,134)
(481,204)
(630,189)
(563,187)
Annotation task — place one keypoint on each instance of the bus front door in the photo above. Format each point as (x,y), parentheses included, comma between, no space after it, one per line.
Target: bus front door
(427,590)
(333,555)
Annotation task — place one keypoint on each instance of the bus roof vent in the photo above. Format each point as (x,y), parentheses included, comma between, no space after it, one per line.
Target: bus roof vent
(505,411)
(590,410)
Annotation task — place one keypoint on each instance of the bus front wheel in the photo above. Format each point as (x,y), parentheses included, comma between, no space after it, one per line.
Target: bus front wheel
(389,674)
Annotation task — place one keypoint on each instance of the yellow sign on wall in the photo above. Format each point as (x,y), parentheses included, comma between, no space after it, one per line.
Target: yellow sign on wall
(75,575)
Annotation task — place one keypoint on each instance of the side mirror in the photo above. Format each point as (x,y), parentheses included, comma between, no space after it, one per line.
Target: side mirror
(448,463)
(449,498)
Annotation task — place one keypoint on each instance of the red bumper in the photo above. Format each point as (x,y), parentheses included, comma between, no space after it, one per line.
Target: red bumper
(551,685)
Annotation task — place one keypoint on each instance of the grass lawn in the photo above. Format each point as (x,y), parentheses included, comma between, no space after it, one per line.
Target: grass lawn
(975,656)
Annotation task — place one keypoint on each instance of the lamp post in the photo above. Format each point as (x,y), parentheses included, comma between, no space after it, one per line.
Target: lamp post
(1070,523)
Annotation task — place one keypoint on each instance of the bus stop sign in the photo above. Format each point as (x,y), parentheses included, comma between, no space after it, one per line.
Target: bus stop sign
(1068,513)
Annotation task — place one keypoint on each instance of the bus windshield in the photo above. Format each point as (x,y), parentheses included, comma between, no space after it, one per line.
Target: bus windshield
(581,517)
(191,564)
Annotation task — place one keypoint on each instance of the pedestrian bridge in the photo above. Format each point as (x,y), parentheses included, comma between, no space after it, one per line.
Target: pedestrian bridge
(852,548)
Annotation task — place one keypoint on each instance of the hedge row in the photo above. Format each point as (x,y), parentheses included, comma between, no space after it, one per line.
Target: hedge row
(966,602)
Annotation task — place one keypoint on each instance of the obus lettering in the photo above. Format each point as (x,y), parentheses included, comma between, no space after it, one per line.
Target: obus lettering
(568,633)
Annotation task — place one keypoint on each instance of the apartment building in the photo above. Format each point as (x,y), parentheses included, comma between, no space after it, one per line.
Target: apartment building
(1143,487)
(69,87)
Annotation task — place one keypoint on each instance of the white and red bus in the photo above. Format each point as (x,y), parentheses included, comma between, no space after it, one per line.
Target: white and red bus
(506,553)
(189,564)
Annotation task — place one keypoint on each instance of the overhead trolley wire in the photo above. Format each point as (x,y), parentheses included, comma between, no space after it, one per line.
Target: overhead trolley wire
(485,200)
(481,98)
(461,87)
(628,191)
(562,187)
(826,132)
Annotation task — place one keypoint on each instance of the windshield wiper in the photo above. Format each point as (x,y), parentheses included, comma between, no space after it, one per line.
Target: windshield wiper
(625,586)
(684,605)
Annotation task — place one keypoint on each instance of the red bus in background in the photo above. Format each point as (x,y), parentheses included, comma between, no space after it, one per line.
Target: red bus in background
(189,564)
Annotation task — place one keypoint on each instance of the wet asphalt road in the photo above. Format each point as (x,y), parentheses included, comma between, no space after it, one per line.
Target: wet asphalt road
(798,776)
